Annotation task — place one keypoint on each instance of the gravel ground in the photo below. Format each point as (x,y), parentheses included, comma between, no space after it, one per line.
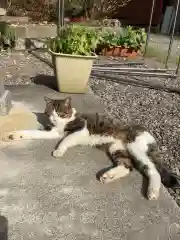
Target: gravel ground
(158,111)
(22,69)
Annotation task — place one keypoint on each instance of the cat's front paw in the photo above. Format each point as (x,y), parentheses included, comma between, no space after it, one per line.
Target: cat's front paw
(12,136)
(57,153)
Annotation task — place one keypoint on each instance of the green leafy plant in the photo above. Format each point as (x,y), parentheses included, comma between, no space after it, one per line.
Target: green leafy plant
(75,40)
(7,37)
(109,39)
(134,38)
(128,38)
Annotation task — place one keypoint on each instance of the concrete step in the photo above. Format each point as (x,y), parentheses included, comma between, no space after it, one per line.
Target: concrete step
(62,199)
(2,12)
(14,20)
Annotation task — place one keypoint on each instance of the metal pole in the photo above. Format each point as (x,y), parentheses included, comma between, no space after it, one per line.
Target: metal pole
(118,64)
(115,69)
(178,65)
(59,17)
(172,35)
(149,27)
(151,74)
(62,13)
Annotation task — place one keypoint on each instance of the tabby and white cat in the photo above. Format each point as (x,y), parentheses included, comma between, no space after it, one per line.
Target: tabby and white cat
(127,146)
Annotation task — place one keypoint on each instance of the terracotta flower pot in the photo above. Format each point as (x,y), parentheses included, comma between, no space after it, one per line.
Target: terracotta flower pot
(117,51)
(132,53)
(108,51)
(124,52)
(77,19)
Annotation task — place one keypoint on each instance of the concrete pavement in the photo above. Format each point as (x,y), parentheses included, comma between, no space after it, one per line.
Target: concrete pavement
(42,198)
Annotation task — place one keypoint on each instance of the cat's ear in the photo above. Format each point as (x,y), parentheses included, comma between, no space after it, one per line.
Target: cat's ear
(47,100)
(67,102)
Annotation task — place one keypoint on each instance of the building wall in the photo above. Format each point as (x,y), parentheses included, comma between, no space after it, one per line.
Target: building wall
(137,12)
(3,3)
(177,29)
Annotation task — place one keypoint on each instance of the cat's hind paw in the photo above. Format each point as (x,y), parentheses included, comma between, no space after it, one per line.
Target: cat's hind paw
(57,153)
(114,173)
(153,193)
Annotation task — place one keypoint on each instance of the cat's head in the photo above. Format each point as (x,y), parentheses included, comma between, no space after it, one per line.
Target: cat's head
(60,107)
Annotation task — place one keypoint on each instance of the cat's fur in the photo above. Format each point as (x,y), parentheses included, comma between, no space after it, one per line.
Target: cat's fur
(126,146)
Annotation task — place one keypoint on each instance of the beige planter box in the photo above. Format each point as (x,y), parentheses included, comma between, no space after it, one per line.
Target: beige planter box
(72,71)
(2,11)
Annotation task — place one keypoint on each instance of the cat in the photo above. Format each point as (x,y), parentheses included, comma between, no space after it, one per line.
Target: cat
(128,147)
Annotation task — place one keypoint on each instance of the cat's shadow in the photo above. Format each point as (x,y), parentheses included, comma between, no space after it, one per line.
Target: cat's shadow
(44,121)
(144,187)
(45,80)
(3,228)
